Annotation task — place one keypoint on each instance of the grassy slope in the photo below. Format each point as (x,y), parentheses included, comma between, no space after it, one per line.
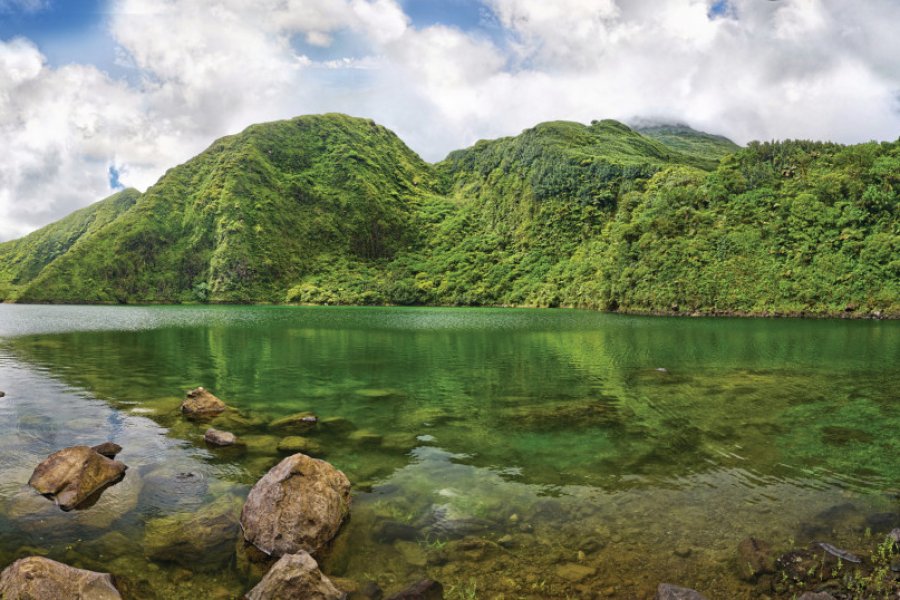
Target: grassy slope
(335,209)
(707,147)
(22,260)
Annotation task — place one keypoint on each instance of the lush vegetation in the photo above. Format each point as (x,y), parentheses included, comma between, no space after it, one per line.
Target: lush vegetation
(333,209)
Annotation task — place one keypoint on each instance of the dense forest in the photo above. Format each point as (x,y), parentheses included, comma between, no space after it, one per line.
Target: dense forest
(338,210)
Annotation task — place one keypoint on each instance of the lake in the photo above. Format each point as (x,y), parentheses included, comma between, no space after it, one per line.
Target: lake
(504,453)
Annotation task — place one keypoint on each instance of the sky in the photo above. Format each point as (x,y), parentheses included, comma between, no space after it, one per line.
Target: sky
(100,94)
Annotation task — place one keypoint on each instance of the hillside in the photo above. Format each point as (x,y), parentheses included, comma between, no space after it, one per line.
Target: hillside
(710,148)
(253,212)
(22,260)
(334,209)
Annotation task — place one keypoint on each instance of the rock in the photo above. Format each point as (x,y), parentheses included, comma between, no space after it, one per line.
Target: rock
(422,590)
(682,551)
(107,449)
(754,558)
(369,590)
(816,596)
(2,394)
(388,532)
(200,403)
(365,438)
(413,553)
(38,578)
(301,420)
(300,504)
(667,591)
(214,437)
(337,424)
(295,577)
(574,572)
(201,541)
(296,443)
(72,475)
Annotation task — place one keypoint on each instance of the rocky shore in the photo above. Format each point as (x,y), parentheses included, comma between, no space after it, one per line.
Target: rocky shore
(286,536)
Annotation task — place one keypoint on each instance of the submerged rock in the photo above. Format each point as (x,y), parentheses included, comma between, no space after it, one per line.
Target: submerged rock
(200,403)
(755,558)
(667,591)
(72,475)
(107,449)
(302,421)
(38,578)
(2,394)
(816,596)
(300,504)
(202,540)
(366,438)
(214,437)
(575,572)
(337,424)
(296,443)
(295,577)
(422,590)
(388,532)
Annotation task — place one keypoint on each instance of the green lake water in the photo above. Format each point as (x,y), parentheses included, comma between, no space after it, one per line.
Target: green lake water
(505,453)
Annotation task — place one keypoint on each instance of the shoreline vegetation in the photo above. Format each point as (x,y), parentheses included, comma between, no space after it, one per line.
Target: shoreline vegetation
(336,210)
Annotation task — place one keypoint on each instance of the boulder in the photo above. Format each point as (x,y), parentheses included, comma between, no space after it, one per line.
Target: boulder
(755,558)
(295,577)
(200,403)
(296,443)
(667,591)
(107,449)
(301,420)
(300,504)
(214,437)
(38,578)
(202,540)
(816,596)
(422,590)
(72,475)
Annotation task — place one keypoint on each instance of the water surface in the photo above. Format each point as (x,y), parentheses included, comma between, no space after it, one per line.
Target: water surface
(505,453)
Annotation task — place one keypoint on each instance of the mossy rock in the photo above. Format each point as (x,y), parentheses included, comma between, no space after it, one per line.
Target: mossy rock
(301,421)
(202,540)
(296,443)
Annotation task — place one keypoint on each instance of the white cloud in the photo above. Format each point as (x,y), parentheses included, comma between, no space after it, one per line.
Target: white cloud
(200,69)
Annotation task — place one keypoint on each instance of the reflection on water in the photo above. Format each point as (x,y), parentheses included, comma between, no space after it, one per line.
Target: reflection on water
(505,453)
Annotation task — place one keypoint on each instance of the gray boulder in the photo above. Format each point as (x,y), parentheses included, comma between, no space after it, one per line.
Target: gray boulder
(300,504)
(107,449)
(214,437)
(200,403)
(38,578)
(73,474)
(295,577)
(667,591)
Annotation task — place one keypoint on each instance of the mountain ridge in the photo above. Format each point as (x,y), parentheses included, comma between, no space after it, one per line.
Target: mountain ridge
(337,209)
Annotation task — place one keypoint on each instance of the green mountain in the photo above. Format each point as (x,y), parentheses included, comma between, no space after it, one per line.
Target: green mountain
(334,209)
(710,148)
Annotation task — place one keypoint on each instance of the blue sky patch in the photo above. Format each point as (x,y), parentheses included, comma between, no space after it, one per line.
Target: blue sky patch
(114,183)
(721,9)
